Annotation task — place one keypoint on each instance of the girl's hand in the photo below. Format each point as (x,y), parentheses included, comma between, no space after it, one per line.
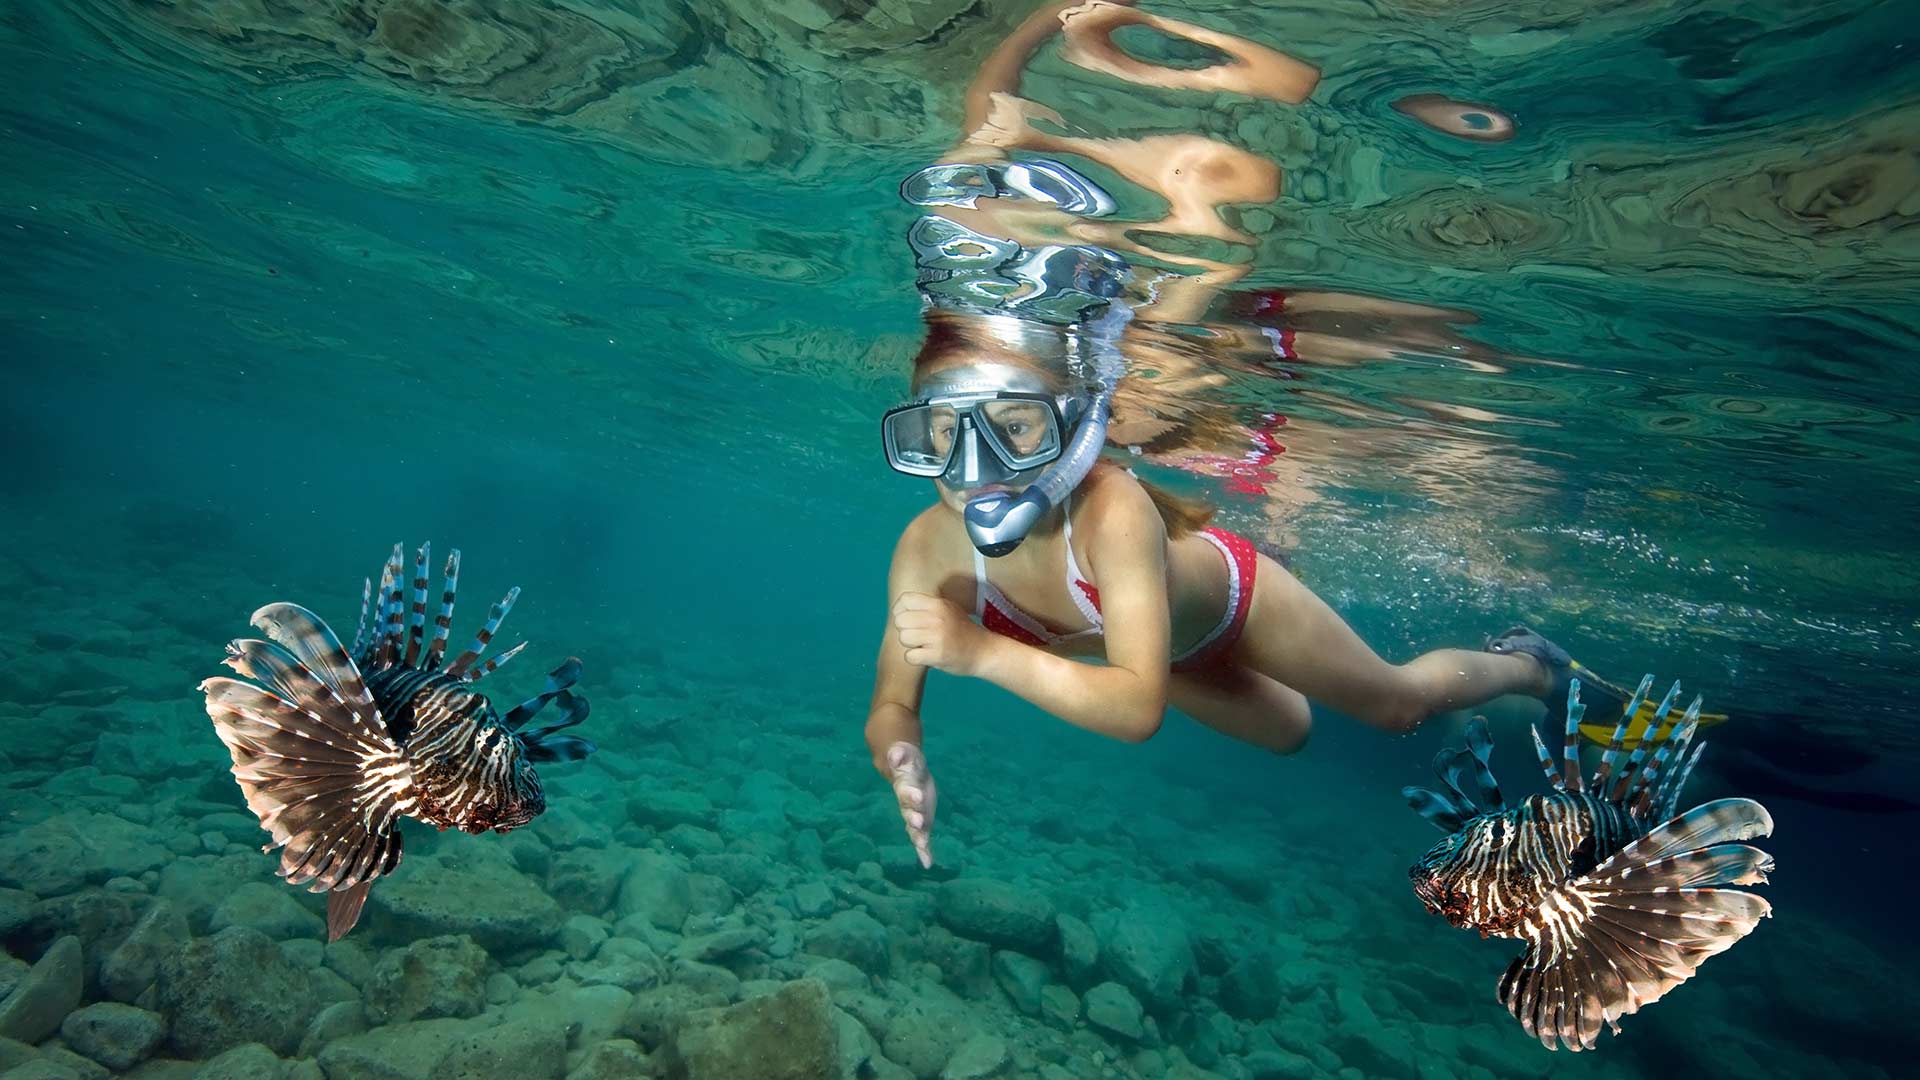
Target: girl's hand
(937,634)
(913,787)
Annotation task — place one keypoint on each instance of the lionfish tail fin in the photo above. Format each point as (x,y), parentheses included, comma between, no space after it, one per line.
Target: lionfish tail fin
(1606,945)
(314,764)
(343,909)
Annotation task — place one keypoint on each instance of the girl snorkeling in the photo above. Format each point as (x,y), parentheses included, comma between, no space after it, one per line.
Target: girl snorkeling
(1029,292)
(1183,614)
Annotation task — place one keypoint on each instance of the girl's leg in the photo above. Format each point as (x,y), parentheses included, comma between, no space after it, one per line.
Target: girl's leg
(1294,637)
(1245,705)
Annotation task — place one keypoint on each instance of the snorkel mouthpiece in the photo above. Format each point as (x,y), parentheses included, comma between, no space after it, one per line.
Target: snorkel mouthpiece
(996,523)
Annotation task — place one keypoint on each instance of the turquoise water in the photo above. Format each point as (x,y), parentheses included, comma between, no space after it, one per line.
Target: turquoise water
(611,296)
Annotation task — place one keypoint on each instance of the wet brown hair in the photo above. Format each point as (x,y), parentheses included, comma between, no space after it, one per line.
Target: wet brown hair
(954,338)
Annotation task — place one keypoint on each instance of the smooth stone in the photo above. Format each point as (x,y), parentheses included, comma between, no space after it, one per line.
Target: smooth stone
(812,899)
(981,1056)
(745,874)
(614,1059)
(923,1033)
(467,891)
(655,1011)
(997,913)
(61,853)
(657,888)
(1079,951)
(708,980)
(501,988)
(250,1061)
(853,936)
(14,1053)
(1146,948)
(581,935)
(410,1051)
(588,879)
(1022,977)
(41,1069)
(1277,1065)
(432,977)
(336,1021)
(50,990)
(720,943)
(1060,1006)
(518,1048)
(847,849)
(840,976)
(665,807)
(480,1048)
(270,909)
(85,1068)
(115,1035)
(1249,989)
(624,962)
(231,988)
(1112,1008)
(305,952)
(788,1035)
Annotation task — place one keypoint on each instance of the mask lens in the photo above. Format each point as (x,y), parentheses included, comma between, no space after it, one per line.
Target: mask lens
(1025,431)
(920,438)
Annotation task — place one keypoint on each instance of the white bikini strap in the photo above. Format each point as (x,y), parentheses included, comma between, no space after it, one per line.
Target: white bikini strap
(979,584)
(1080,599)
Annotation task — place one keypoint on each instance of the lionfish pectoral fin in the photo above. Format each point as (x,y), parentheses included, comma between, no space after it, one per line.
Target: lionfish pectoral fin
(560,748)
(313,643)
(558,681)
(545,744)
(320,774)
(343,909)
(1447,815)
(1641,923)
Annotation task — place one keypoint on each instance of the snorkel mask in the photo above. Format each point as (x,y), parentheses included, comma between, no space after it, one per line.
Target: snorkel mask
(995,425)
(1000,426)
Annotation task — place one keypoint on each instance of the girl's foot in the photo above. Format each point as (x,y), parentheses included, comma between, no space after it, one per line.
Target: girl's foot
(1554,660)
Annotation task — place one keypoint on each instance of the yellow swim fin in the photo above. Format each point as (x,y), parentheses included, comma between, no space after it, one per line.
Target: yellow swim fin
(1599,730)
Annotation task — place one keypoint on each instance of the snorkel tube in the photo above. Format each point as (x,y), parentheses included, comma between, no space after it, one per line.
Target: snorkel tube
(997,522)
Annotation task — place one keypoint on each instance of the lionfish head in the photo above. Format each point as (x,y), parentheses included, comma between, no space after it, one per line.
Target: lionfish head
(1449,878)
(515,798)
(1435,883)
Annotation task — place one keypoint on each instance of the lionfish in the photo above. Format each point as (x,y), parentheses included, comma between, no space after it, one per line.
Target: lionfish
(339,746)
(1618,899)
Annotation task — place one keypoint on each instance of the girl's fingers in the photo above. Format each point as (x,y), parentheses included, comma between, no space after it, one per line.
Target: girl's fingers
(913,620)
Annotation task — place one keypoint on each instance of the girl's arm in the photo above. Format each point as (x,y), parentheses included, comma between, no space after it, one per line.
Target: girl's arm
(894,713)
(1126,698)
(893,716)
